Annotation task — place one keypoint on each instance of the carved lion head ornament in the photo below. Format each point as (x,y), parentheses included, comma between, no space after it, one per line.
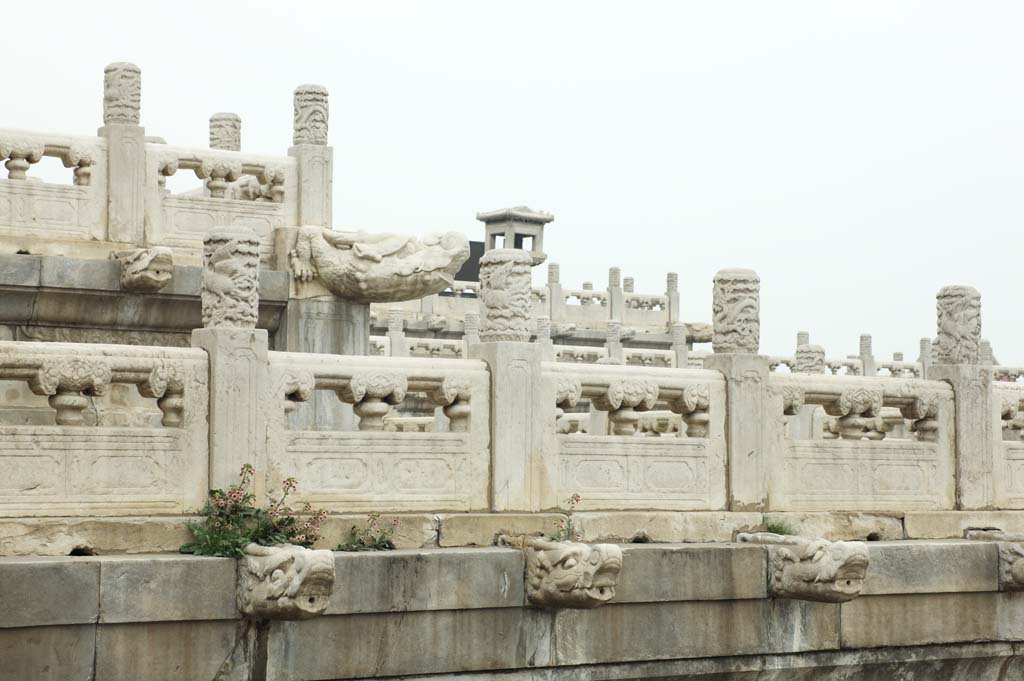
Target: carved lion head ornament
(813,569)
(567,574)
(285,582)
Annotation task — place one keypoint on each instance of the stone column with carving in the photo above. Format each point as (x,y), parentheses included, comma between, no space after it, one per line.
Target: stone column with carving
(517,403)
(226,131)
(867,358)
(672,293)
(315,160)
(736,315)
(126,153)
(239,364)
(396,334)
(616,296)
(556,298)
(957,360)
(679,346)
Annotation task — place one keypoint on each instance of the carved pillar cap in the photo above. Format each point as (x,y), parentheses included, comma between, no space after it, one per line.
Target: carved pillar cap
(505,295)
(230,284)
(311,115)
(122,93)
(959,325)
(809,359)
(226,131)
(736,311)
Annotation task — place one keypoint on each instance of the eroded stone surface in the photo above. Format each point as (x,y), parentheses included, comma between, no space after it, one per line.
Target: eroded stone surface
(812,569)
(284,582)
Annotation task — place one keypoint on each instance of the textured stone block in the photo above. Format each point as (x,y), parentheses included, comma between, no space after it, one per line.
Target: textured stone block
(931,567)
(48,653)
(20,270)
(59,536)
(449,579)
(919,619)
(398,644)
(953,524)
(59,272)
(38,592)
(482,529)
(158,651)
(664,526)
(652,631)
(167,588)
(653,572)
(841,526)
(413,532)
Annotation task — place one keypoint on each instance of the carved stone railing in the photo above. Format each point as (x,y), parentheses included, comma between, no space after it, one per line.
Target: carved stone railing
(30,207)
(873,444)
(71,468)
(622,460)
(1008,476)
(239,188)
(1009,374)
(381,463)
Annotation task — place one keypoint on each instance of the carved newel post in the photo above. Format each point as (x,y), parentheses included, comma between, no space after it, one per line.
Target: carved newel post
(238,354)
(314,158)
(736,310)
(517,400)
(957,360)
(126,152)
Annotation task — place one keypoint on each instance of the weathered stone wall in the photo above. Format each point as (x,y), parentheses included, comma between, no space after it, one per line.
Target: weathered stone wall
(928,610)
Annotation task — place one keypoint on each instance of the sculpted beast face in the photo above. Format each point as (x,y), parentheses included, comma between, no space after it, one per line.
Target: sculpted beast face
(571,574)
(813,569)
(145,269)
(284,582)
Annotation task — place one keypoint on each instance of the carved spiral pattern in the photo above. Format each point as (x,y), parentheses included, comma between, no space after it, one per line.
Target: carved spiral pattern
(230,287)
(311,115)
(122,93)
(505,293)
(959,325)
(736,311)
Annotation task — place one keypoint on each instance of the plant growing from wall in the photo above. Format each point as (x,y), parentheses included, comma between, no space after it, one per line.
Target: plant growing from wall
(779,527)
(376,536)
(232,519)
(565,529)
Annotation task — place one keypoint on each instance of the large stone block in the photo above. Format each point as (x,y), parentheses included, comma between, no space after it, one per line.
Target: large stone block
(60,272)
(48,653)
(153,588)
(664,526)
(37,592)
(20,270)
(953,524)
(59,536)
(652,631)
(414,531)
(931,567)
(840,525)
(483,529)
(653,573)
(158,651)
(397,644)
(433,579)
(919,619)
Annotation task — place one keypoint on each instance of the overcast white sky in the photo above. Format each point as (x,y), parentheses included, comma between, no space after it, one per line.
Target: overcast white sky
(858,155)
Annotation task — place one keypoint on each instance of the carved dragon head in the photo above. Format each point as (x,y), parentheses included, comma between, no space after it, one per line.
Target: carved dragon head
(813,569)
(145,269)
(571,574)
(285,582)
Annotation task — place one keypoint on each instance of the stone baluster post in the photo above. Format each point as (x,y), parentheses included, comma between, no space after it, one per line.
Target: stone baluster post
(672,293)
(986,352)
(517,401)
(239,366)
(803,338)
(629,285)
(396,334)
(471,328)
(679,346)
(866,357)
(957,361)
(616,296)
(924,355)
(126,153)
(556,298)
(226,131)
(588,286)
(315,160)
(544,339)
(613,342)
(737,329)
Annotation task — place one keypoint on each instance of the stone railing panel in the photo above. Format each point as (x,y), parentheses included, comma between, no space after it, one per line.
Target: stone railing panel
(1008,472)
(393,461)
(875,444)
(33,208)
(678,466)
(75,469)
(241,188)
